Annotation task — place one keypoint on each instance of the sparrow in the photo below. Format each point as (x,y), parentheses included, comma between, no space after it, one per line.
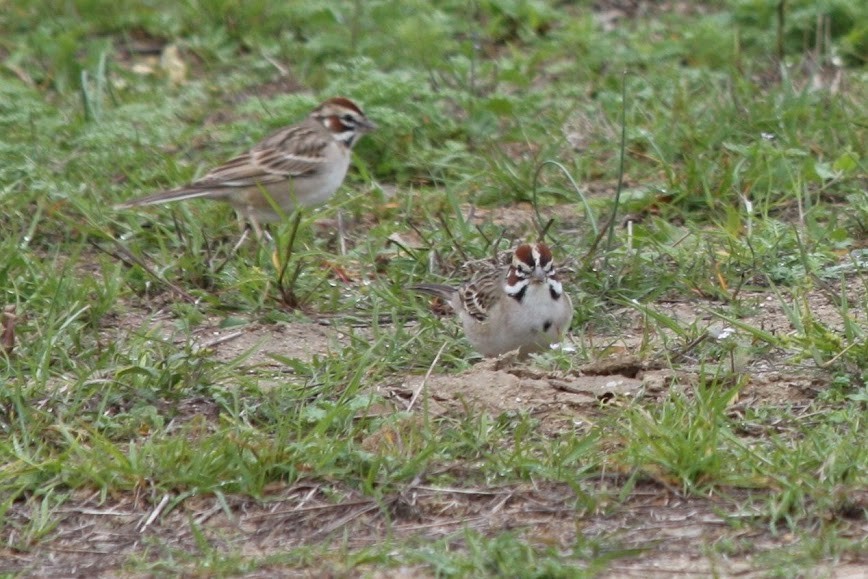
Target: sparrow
(299,165)
(520,307)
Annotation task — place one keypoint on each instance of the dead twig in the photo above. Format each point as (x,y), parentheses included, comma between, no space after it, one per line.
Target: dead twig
(156,512)
(126,257)
(343,521)
(299,510)
(222,339)
(425,379)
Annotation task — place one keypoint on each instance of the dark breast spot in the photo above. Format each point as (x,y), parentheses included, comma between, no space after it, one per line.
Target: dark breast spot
(520,295)
(555,295)
(547,325)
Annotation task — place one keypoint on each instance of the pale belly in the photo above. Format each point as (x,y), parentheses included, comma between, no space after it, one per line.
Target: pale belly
(531,329)
(304,192)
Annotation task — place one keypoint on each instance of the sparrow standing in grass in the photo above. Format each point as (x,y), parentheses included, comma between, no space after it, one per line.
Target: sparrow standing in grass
(521,307)
(299,165)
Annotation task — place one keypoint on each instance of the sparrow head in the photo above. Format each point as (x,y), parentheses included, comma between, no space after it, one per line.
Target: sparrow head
(533,261)
(532,264)
(344,119)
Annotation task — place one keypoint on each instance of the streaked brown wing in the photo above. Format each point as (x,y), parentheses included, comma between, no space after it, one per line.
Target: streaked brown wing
(287,154)
(481,292)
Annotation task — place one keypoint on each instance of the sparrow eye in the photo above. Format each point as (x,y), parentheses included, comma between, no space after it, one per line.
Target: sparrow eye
(348,119)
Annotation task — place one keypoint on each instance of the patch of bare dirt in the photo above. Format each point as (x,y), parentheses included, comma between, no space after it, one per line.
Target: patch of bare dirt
(260,343)
(518,219)
(651,533)
(496,387)
(256,342)
(612,10)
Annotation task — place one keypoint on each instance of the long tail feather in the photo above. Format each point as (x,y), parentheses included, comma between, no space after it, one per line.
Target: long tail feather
(168,196)
(435,289)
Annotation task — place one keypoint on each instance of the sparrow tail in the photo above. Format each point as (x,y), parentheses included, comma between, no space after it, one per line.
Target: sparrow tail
(435,289)
(168,196)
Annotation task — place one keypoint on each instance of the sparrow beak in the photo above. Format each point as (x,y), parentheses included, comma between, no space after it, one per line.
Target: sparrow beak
(538,275)
(367,125)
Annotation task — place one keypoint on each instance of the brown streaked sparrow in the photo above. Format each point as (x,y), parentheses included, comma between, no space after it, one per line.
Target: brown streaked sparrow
(521,307)
(299,165)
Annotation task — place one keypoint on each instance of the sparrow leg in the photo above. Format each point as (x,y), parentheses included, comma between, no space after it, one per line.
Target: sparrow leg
(342,233)
(244,233)
(254,223)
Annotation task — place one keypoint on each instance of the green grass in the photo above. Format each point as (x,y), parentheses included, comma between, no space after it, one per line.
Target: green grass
(746,178)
